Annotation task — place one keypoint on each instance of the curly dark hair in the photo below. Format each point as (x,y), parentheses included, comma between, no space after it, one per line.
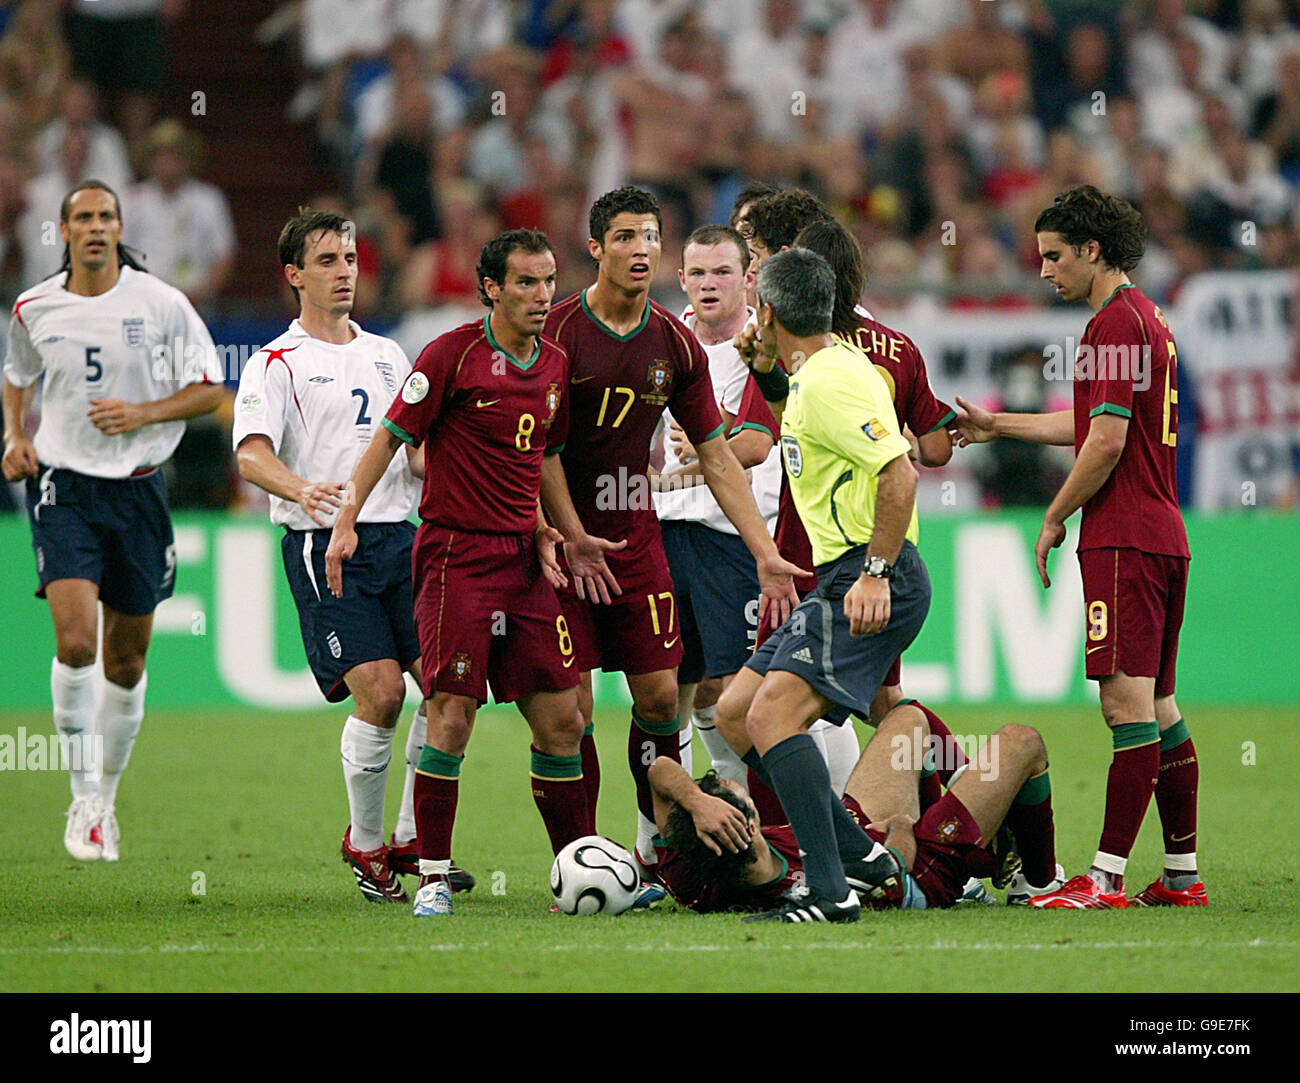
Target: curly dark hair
(727,869)
(1082,214)
(840,249)
(751,193)
(493,260)
(777,219)
(625,200)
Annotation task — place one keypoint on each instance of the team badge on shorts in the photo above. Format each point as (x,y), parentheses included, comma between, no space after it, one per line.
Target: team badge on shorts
(660,377)
(552,401)
(336,648)
(792,454)
(460,666)
(385,370)
(948,829)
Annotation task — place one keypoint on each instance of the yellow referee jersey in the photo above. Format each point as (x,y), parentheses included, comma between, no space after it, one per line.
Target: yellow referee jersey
(838,432)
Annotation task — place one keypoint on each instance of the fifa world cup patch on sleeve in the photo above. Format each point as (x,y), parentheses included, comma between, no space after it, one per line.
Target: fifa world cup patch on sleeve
(415,388)
(250,403)
(875,430)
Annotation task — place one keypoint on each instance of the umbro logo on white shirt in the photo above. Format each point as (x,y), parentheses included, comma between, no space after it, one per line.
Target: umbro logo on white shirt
(321,380)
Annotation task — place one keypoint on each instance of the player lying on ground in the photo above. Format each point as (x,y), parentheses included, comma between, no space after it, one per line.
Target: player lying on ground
(307,404)
(716,854)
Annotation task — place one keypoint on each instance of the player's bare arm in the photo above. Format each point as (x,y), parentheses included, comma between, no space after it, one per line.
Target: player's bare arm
(586,554)
(760,355)
(258,463)
(415,460)
(867,604)
(750,446)
(730,487)
(114,417)
(717,823)
(1096,461)
(20,453)
(343,540)
(934,449)
(975,425)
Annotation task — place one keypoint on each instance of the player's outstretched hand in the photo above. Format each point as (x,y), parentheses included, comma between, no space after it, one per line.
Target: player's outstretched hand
(776,576)
(343,543)
(867,605)
(681,443)
(720,825)
(113,417)
(974,424)
(547,540)
(20,459)
(319,498)
(1049,538)
(591,575)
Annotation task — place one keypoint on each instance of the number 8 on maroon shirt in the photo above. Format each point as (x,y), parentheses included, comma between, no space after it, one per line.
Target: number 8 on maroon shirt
(483,610)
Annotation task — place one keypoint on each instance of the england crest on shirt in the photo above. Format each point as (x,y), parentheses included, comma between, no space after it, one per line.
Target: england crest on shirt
(385,370)
(133,331)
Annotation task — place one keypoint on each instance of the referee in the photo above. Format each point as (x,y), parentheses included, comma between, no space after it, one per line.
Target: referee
(854,489)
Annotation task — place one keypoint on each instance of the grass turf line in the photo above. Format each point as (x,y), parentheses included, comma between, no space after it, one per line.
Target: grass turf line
(254,802)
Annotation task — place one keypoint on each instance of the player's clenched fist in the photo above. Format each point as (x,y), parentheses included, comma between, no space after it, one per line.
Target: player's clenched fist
(20,459)
(867,605)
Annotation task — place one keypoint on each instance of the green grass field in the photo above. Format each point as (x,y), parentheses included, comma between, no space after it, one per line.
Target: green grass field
(251,806)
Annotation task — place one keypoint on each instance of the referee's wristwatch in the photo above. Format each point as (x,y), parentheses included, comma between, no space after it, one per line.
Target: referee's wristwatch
(878,568)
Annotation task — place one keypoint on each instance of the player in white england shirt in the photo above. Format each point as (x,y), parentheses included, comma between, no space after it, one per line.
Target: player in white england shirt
(713,574)
(307,407)
(126,361)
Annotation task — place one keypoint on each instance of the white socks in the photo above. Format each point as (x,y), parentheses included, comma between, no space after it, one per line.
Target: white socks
(839,747)
(684,749)
(121,710)
(725,761)
(73,693)
(405,831)
(366,750)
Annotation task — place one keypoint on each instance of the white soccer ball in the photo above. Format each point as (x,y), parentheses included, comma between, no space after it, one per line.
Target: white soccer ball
(594,875)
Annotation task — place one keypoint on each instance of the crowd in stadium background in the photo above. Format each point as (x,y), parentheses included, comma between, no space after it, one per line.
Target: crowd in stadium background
(935,129)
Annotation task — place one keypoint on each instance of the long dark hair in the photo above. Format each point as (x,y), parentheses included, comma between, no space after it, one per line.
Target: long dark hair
(126,257)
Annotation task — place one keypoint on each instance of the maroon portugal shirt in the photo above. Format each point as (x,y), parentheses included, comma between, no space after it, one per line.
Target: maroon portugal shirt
(488,419)
(618,388)
(1127,365)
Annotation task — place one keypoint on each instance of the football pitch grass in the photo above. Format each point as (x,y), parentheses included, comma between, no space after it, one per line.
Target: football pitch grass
(231,880)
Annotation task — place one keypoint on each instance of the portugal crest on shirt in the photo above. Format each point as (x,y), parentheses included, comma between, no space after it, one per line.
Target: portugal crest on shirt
(660,379)
(133,331)
(552,401)
(949,829)
(460,666)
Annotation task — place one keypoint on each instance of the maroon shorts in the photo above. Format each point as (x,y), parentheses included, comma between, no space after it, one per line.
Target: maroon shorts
(638,632)
(1133,610)
(484,613)
(948,840)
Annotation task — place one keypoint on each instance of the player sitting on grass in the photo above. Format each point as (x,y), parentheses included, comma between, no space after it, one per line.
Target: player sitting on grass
(715,854)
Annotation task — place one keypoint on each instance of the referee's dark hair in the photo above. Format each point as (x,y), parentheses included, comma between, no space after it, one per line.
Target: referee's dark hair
(125,256)
(293,238)
(493,259)
(725,869)
(1082,214)
(839,248)
(800,287)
